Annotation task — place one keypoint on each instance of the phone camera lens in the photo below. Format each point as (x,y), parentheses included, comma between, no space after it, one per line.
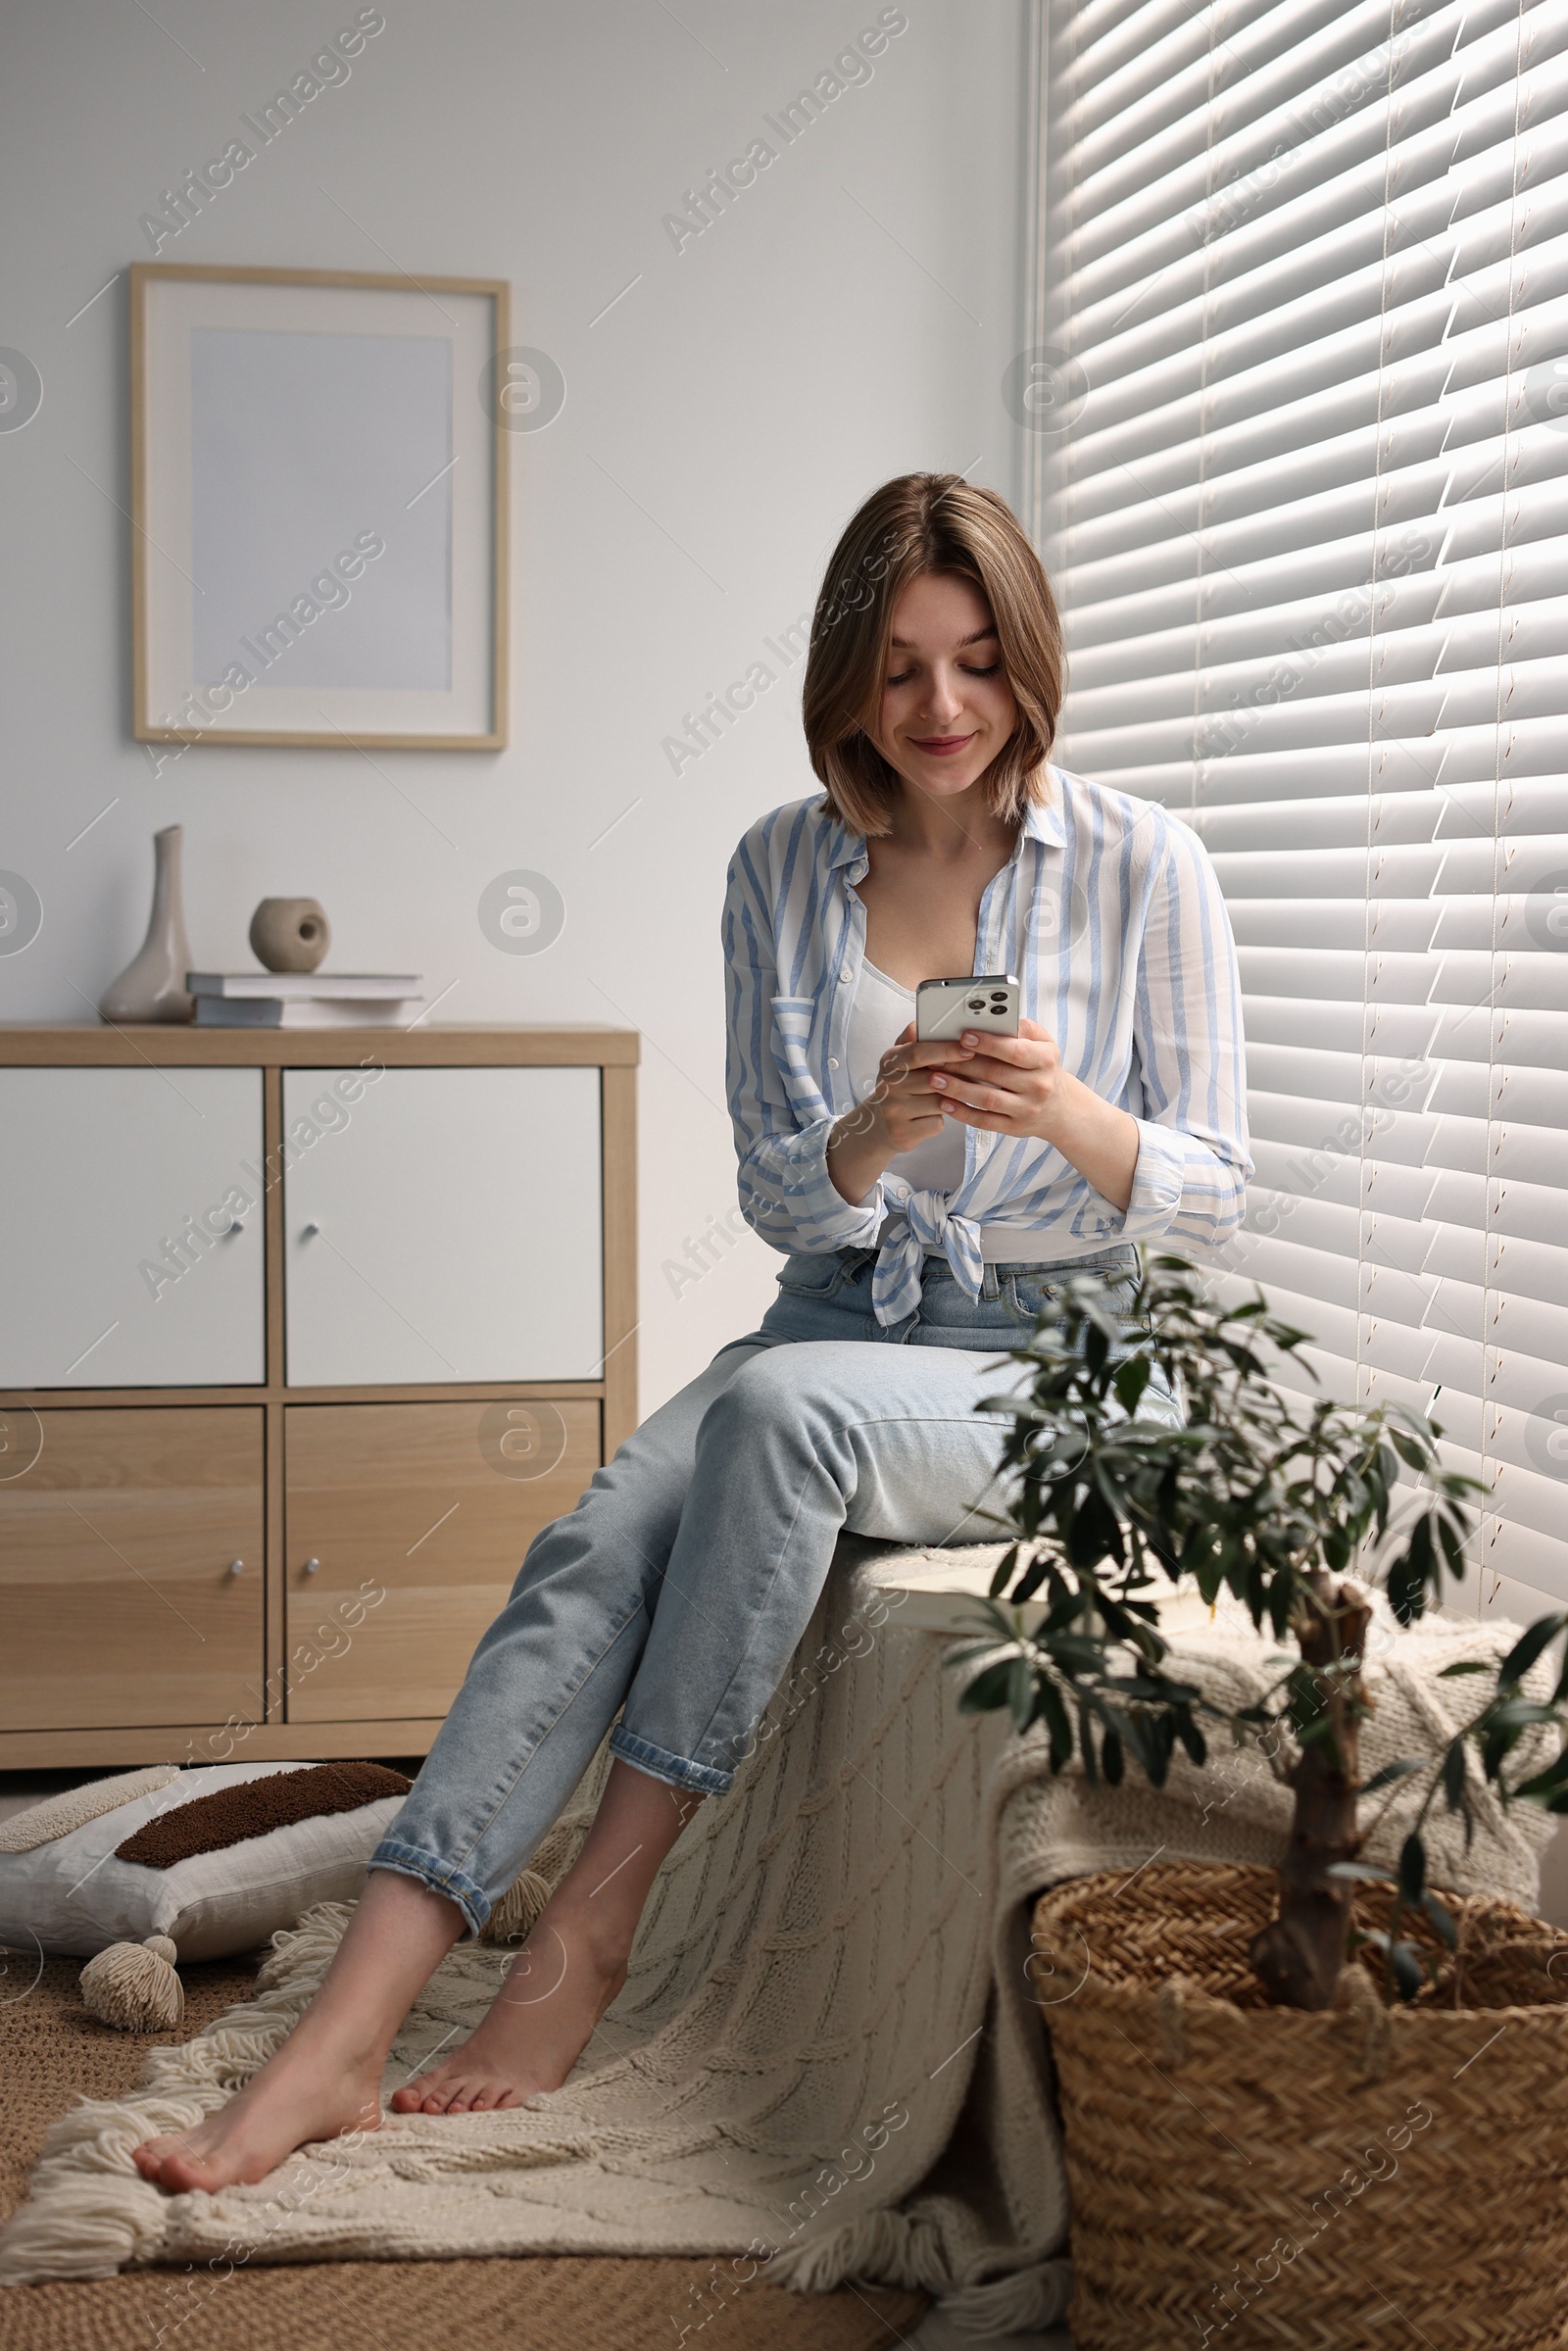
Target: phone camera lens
(977,1004)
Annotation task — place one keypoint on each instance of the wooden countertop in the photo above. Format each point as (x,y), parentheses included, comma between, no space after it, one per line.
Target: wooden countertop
(173,1044)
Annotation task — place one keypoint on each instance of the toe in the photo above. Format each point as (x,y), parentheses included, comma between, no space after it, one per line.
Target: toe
(416,2096)
(182,2172)
(153,2158)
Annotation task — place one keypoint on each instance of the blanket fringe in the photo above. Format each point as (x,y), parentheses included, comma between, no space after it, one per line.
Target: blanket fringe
(887,2248)
(1019,2303)
(90,2213)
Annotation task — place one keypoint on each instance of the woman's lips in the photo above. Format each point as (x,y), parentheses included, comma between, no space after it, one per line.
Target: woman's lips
(940,747)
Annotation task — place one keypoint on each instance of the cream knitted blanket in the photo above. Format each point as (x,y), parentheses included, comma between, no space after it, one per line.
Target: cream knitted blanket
(828,2058)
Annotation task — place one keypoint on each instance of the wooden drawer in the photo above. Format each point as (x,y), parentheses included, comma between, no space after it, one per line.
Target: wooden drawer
(418,1516)
(443,1225)
(117,1600)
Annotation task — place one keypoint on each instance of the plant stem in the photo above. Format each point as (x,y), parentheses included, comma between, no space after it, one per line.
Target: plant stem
(1298,1957)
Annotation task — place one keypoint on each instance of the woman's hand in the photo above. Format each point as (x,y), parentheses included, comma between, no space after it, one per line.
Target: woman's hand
(1017,1086)
(1007,1085)
(1003,1085)
(902,1110)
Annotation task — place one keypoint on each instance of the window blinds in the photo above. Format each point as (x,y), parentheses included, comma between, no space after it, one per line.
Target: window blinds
(1300,407)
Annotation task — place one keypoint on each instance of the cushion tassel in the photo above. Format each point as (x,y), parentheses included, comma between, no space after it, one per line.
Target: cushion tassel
(134,1987)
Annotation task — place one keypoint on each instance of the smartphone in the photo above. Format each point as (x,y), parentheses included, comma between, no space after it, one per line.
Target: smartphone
(945,1008)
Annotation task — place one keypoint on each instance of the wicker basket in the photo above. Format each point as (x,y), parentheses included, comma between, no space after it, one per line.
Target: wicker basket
(1353,2181)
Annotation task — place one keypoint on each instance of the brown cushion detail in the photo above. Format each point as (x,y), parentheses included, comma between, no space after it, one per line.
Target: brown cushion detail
(229,1815)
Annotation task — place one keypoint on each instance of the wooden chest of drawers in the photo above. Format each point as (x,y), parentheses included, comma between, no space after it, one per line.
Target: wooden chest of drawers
(303,1336)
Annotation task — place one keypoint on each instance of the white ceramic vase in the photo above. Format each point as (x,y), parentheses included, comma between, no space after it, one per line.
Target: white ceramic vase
(152,986)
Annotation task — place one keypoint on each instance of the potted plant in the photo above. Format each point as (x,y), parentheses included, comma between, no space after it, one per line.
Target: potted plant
(1246,2042)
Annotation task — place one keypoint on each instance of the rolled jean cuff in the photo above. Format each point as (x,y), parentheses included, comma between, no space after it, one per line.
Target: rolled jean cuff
(676,1769)
(439,1876)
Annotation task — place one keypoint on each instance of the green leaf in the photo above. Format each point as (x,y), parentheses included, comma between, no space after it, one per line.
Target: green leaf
(1029,1582)
(987,1690)
(1409,1975)
(1518,1714)
(1528,1647)
(1554,1775)
(1058,1724)
(1389,1774)
(1085,1743)
(971,1650)
(1003,1574)
(1412,1868)
(1467,1665)
(1131,1381)
(1453,1770)
(1192,1738)
(1443,1918)
(1452,1541)
(1138,1735)
(1411,1572)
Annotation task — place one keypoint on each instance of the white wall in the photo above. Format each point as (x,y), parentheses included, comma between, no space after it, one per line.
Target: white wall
(744,395)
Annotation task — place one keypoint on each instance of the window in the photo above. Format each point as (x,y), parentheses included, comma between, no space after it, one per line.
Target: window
(1298,413)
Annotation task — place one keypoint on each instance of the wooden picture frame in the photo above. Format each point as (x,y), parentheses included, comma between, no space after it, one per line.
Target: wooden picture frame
(303,442)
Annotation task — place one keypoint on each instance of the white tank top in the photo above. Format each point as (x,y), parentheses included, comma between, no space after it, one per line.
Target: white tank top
(882,1008)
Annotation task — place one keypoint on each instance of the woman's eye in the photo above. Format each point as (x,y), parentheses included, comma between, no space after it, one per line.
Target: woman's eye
(970,669)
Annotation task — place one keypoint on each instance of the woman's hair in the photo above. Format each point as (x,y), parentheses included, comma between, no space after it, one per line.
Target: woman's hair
(919,524)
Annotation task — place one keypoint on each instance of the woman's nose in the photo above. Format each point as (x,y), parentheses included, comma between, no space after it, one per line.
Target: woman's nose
(944,698)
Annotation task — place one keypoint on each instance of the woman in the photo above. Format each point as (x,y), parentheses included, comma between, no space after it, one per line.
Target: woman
(925,1194)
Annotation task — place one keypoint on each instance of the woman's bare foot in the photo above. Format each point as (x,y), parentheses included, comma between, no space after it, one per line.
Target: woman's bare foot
(300,2095)
(326,2079)
(541,2020)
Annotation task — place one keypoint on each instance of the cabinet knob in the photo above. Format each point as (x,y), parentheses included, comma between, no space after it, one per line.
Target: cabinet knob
(305,1230)
(312,1567)
(236,1567)
(233,1226)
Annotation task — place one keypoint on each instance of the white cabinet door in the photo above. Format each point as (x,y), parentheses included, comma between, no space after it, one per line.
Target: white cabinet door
(121,1262)
(442,1224)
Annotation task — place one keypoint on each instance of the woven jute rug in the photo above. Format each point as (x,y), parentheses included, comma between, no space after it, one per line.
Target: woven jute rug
(53,2052)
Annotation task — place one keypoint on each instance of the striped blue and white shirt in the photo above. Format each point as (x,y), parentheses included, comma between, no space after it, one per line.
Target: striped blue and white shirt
(1109,913)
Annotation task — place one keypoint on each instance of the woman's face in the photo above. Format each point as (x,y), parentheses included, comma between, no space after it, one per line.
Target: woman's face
(947,707)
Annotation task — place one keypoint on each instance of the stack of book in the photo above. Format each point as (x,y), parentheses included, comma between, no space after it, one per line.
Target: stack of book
(304,1000)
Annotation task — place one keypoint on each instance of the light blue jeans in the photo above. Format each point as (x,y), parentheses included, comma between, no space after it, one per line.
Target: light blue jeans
(678,1589)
